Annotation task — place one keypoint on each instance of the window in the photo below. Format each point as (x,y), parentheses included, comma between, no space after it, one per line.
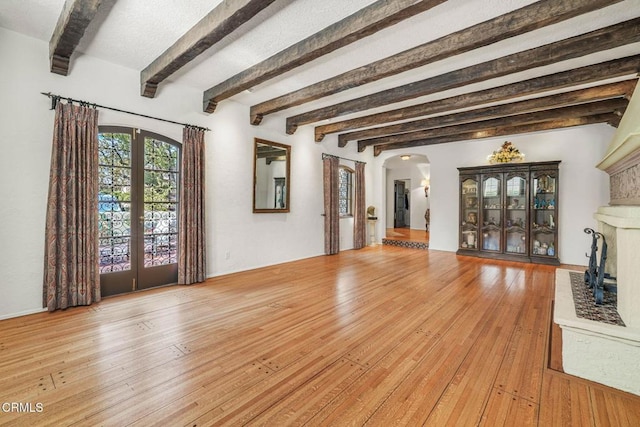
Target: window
(345,190)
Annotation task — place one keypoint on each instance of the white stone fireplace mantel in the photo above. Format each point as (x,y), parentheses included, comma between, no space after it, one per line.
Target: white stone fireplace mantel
(596,351)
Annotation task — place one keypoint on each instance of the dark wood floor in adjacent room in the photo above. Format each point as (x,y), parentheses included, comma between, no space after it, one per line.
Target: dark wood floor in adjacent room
(382,336)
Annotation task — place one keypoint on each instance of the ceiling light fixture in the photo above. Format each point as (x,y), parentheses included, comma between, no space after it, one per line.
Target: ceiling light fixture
(405,157)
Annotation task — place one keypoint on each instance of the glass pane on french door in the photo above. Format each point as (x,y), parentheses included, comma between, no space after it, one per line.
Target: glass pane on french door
(137,209)
(115,208)
(160,209)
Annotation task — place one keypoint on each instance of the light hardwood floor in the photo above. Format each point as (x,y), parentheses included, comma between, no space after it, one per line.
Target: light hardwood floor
(407,234)
(382,336)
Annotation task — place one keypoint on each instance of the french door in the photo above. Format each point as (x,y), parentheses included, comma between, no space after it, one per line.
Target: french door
(137,209)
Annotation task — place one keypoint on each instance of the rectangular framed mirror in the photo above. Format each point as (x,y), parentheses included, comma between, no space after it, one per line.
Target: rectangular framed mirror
(271,182)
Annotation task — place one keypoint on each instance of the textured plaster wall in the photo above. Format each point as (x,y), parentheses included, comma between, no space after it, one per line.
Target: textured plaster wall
(604,360)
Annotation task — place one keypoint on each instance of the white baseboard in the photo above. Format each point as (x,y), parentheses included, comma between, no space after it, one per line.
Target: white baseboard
(22,313)
(242,270)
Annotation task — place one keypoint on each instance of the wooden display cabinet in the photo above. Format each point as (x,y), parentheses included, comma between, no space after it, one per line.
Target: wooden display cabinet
(509,211)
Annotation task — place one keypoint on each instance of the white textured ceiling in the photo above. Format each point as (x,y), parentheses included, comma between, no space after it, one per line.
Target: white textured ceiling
(133,33)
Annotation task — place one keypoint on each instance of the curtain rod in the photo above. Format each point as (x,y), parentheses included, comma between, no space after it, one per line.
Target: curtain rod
(56,98)
(343,158)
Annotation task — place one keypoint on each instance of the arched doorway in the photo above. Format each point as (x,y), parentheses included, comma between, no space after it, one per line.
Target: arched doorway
(407,207)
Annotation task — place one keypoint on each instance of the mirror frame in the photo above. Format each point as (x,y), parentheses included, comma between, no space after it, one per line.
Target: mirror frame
(287,148)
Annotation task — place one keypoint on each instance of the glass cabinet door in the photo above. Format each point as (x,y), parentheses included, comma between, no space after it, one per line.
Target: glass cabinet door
(544,215)
(469,214)
(516,215)
(491,213)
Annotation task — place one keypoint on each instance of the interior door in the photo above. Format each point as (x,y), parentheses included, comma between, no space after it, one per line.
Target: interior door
(137,209)
(399,204)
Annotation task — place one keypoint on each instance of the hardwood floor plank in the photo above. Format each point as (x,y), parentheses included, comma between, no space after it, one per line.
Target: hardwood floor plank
(433,358)
(208,400)
(286,388)
(521,373)
(299,406)
(614,409)
(524,362)
(504,409)
(464,399)
(565,403)
(404,408)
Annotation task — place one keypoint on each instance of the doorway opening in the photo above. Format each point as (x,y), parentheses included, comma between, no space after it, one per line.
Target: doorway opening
(139,183)
(407,210)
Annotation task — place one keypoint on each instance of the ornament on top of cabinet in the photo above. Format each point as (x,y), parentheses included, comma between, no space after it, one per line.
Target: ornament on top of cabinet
(508,153)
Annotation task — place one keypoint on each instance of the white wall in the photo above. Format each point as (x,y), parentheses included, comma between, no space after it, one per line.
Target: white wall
(582,187)
(237,239)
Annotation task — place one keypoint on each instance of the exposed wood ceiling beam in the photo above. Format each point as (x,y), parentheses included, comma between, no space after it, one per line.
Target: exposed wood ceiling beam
(617,105)
(622,89)
(583,75)
(225,18)
(528,18)
(271,152)
(606,38)
(366,21)
(73,21)
(610,118)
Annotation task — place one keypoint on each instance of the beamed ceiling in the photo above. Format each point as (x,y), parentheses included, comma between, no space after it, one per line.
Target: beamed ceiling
(381,74)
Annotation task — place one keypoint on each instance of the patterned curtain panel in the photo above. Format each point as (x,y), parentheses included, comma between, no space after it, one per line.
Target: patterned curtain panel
(359,209)
(192,245)
(331,200)
(71,271)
